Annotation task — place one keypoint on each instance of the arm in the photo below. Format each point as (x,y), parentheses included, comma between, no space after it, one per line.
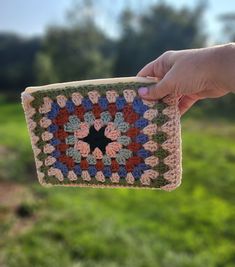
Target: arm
(192,74)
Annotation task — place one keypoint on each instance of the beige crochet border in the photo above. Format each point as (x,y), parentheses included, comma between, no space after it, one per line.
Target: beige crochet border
(171,127)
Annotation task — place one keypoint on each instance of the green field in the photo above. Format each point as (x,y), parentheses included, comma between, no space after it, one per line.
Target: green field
(193,226)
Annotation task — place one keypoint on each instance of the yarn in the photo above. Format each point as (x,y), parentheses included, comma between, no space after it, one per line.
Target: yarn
(124,140)
(106,160)
(143,153)
(115,178)
(91,159)
(105,117)
(79,112)
(53,128)
(139,136)
(92,170)
(61,100)
(86,176)
(126,153)
(54,142)
(70,106)
(118,118)
(111,96)
(112,132)
(89,118)
(54,111)
(77,98)
(120,102)
(107,171)
(123,127)
(96,110)
(136,173)
(122,172)
(70,140)
(120,159)
(112,109)
(78,170)
(87,104)
(94,96)
(129,95)
(56,154)
(141,123)
(103,103)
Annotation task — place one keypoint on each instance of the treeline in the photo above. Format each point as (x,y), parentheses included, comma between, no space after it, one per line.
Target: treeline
(81,50)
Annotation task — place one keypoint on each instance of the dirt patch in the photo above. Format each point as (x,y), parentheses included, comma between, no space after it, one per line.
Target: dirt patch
(16,214)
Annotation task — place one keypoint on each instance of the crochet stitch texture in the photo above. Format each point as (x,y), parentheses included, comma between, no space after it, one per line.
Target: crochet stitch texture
(104,135)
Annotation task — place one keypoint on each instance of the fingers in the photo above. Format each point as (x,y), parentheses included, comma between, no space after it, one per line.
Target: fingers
(155,92)
(147,70)
(186,103)
(159,67)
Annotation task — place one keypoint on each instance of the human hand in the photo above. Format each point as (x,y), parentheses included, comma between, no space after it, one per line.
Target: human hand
(191,75)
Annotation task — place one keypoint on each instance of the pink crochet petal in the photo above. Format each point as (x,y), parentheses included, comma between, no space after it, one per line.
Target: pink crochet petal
(83,147)
(100,177)
(151,174)
(34,139)
(130,178)
(39,163)
(86,176)
(98,124)
(115,177)
(46,136)
(56,172)
(149,103)
(94,96)
(48,148)
(151,146)
(46,106)
(150,114)
(111,96)
(97,153)
(112,149)
(77,98)
(151,161)
(72,176)
(129,95)
(112,132)
(44,122)
(32,124)
(83,131)
(61,100)
(50,160)
(145,179)
(151,129)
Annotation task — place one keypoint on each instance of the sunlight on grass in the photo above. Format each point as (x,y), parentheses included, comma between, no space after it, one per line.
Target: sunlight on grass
(192,226)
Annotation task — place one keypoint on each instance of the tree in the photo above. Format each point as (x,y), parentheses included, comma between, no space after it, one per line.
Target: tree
(79,50)
(228,21)
(161,28)
(17,61)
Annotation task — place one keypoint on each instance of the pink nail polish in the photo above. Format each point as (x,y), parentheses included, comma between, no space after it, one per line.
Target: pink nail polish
(143,91)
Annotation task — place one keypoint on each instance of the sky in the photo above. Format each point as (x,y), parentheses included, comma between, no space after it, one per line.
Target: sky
(31,17)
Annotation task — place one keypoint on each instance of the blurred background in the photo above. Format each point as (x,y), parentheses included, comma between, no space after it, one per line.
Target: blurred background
(61,40)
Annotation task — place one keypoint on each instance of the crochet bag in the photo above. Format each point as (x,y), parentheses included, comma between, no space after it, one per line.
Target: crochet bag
(100,133)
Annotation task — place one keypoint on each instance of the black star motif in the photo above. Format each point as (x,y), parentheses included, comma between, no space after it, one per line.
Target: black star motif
(97,139)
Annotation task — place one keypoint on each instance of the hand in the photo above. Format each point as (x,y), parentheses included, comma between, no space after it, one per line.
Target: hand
(191,75)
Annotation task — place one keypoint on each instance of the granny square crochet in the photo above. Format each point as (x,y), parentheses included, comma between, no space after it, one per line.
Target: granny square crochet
(100,133)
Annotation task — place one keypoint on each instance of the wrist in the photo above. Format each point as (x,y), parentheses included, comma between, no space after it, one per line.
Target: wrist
(226,66)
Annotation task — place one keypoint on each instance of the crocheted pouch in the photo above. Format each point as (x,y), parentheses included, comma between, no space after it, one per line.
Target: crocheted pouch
(100,133)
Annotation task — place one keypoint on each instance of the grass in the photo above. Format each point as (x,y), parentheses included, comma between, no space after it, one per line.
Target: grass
(192,226)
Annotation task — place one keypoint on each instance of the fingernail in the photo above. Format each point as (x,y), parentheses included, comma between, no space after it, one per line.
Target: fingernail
(143,91)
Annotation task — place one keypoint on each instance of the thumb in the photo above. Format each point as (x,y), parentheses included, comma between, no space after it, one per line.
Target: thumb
(156,91)
(160,66)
